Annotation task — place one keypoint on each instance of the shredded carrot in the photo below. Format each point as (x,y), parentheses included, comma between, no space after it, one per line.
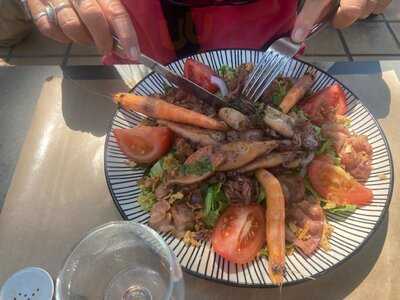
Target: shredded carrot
(293,227)
(382,176)
(302,233)
(189,239)
(326,234)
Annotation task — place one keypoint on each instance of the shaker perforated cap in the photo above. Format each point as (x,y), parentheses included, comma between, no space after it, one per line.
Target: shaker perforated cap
(28,284)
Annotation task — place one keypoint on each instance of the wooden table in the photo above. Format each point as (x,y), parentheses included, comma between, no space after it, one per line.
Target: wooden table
(58,191)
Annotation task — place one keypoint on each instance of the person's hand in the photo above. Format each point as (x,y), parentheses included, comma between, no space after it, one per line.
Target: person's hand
(348,12)
(87,21)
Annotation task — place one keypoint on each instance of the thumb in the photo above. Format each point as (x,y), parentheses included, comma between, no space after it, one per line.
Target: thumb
(309,15)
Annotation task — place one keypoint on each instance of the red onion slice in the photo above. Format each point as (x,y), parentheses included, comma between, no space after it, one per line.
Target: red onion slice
(220,84)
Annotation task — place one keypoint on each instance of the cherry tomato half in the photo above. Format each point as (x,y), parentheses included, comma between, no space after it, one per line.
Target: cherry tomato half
(144,144)
(240,233)
(335,184)
(321,106)
(200,74)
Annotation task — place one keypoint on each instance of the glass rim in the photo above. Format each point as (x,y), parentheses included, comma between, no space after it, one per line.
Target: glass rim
(174,267)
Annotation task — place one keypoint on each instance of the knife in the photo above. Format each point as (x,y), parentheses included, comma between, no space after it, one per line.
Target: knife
(182,82)
(178,80)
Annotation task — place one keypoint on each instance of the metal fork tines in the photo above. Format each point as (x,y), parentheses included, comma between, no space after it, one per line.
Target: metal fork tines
(268,68)
(274,59)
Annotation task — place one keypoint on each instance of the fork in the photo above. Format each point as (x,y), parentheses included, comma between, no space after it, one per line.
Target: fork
(274,59)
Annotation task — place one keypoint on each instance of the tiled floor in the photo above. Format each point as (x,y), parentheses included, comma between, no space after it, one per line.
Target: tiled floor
(375,38)
(369,38)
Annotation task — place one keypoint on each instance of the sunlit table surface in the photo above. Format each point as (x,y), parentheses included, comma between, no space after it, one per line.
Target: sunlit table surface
(58,190)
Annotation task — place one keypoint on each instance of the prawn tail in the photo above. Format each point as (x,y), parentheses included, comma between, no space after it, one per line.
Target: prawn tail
(276,272)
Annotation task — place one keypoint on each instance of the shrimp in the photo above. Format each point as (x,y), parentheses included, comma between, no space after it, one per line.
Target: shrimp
(275,225)
(297,92)
(160,109)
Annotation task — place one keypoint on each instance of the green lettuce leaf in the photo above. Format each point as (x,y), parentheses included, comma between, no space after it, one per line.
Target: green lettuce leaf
(227,72)
(147,199)
(214,204)
(157,169)
(282,88)
(309,188)
(327,205)
(297,110)
(261,196)
(263,252)
(211,218)
(300,113)
(328,149)
(317,130)
(348,208)
(199,167)
(325,148)
(165,164)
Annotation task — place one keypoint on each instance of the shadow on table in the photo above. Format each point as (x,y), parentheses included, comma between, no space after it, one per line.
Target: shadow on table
(370,88)
(336,284)
(86,100)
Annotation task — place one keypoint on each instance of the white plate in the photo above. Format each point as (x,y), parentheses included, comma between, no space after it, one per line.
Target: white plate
(349,234)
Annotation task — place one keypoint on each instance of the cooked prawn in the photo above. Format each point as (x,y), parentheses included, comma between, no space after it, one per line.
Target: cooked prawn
(296,92)
(275,224)
(160,109)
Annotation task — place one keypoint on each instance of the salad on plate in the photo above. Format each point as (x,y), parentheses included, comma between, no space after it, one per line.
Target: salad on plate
(253,184)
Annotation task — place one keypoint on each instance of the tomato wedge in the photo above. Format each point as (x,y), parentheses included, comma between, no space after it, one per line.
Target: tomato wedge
(200,74)
(335,184)
(323,105)
(144,144)
(240,233)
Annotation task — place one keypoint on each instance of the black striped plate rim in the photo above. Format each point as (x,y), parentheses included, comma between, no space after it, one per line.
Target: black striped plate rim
(350,233)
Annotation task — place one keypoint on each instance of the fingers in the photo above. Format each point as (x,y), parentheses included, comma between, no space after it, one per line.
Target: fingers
(92,16)
(308,16)
(46,27)
(381,5)
(122,26)
(89,20)
(369,8)
(348,12)
(70,23)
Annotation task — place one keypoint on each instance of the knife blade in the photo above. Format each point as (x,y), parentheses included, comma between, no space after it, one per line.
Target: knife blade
(239,104)
(182,82)
(176,79)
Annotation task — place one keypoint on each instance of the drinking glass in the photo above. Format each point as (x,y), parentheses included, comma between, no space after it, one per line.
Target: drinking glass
(121,261)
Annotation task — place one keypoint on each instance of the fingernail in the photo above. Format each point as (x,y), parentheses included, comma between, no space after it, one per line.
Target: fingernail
(301,50)
(133,53)
(299,35)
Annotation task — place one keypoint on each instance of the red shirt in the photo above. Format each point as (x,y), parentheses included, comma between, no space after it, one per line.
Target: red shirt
(250,25)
